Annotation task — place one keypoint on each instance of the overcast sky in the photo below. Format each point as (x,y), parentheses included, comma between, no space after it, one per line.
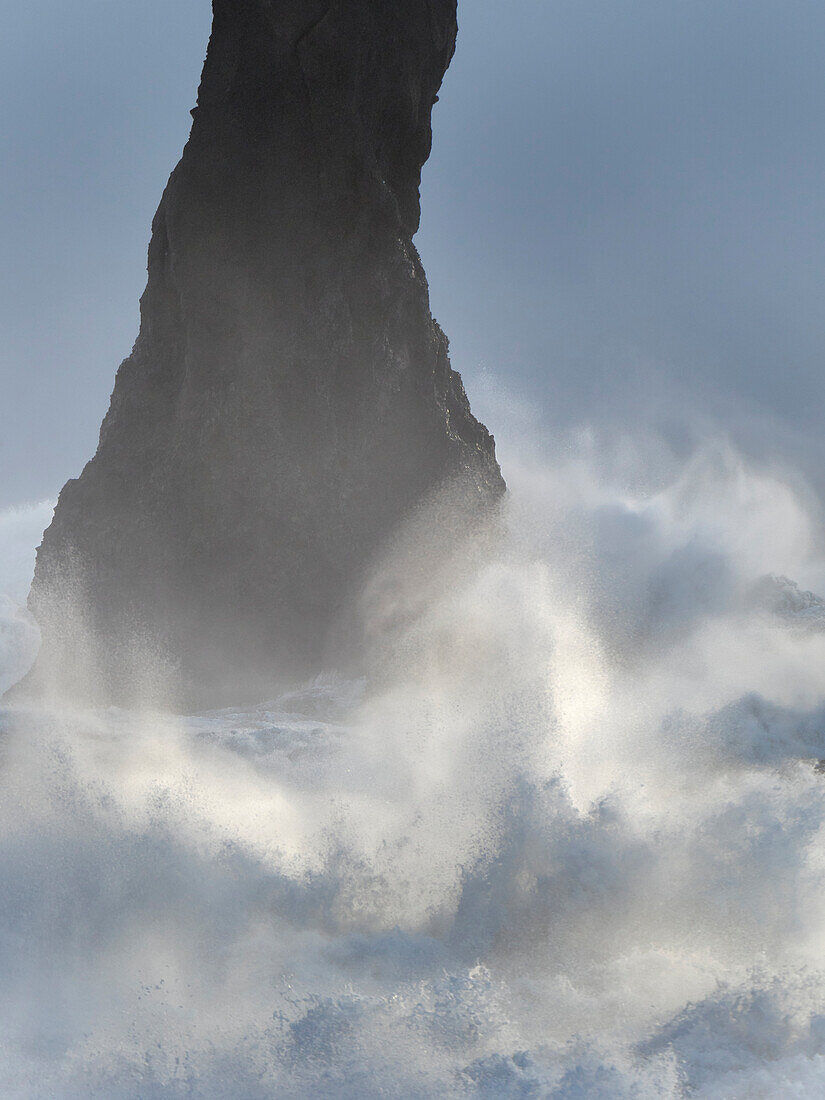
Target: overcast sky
(623,216)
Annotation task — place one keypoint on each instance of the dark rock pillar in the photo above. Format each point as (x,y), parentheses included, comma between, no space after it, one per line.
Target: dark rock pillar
(289,398)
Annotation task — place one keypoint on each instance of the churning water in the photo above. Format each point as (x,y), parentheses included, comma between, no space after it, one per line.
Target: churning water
(572,844)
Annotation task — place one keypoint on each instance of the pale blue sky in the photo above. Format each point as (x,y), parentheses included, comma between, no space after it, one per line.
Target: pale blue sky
(624,216)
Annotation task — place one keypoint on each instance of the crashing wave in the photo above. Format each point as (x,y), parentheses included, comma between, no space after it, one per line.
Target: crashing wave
(569,845)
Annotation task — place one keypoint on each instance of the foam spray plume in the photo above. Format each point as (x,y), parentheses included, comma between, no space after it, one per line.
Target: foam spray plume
(568,845)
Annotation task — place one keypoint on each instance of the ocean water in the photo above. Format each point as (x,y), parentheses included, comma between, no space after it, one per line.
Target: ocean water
(570,843)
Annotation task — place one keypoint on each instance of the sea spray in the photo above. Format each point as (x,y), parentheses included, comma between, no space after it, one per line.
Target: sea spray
(569,844)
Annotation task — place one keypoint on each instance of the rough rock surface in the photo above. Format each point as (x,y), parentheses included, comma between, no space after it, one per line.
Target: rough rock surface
(289,398)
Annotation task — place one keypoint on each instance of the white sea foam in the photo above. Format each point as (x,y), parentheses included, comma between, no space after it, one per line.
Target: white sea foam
(572,845)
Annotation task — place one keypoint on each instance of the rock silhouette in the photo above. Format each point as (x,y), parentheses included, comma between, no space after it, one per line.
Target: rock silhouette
(289,399)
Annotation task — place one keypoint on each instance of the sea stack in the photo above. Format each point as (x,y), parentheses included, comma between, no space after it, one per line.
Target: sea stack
(289,399)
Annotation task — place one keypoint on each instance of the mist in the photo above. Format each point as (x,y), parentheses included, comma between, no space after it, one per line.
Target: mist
(565,845)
